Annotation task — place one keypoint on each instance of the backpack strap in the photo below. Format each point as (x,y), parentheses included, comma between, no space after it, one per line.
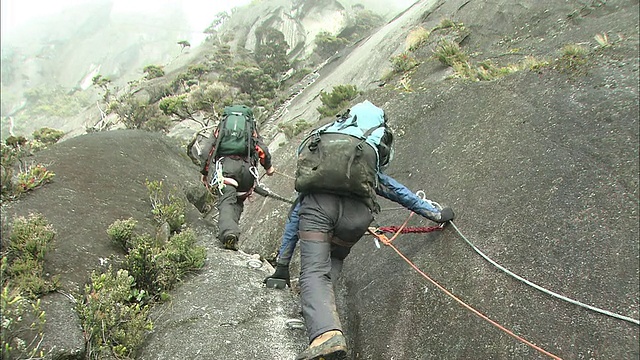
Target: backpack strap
(214,150)
(250,132)
(358,150)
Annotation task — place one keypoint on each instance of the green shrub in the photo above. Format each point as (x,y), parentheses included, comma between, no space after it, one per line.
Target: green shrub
(291,130)
(23,250)
(121,232)
(177,105)
(56,101)
(47,135)
(572,57)
(169,208)
(114,321)
(337,100)
(22,324)
(156,267)
(182,251)
(23,253)
(33,177)
(142,263)
(449,53)
(416,38)
(27,178)
(327,44)
(132,111)
(403,62)
(153,71)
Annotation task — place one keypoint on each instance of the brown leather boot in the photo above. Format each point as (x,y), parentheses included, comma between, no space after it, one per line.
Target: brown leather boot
(330,345)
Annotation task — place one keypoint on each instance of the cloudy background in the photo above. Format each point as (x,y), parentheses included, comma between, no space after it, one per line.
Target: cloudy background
(19,15)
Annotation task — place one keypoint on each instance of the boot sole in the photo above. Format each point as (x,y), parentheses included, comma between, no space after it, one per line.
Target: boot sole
(231,244)
(336,355)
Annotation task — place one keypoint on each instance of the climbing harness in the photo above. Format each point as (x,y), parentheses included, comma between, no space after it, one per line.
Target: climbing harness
(218,178)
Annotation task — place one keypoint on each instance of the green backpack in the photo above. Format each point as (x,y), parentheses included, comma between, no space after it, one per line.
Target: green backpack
(235,132)
(343,157)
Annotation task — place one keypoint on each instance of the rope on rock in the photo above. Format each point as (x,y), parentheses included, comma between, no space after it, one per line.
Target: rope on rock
(538,287)
(383,238)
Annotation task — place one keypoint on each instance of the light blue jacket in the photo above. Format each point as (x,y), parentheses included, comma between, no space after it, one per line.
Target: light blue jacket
(388,188)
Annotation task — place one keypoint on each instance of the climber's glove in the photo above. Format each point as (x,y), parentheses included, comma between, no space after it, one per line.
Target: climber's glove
(446,214)
(282,272)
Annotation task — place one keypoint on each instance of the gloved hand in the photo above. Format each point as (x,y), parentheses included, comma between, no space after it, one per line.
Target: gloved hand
(446,214)
(271,171)
(282,272)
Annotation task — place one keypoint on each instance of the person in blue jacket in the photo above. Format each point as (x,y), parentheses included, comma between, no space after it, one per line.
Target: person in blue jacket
(327,226)
(388,188)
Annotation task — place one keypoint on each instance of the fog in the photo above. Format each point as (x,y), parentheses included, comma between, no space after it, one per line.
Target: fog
(19,15)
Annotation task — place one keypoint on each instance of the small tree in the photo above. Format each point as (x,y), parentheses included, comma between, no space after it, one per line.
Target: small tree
(218,20)
(327,44)
(103,83)
(271,51)
(183,44)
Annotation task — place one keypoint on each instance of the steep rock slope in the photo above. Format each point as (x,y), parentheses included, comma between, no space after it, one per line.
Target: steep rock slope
(542,168)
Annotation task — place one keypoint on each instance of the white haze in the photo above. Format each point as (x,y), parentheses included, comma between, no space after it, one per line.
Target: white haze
(17,15)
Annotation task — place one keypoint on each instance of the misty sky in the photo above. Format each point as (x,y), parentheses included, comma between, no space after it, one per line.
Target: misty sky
(19,12)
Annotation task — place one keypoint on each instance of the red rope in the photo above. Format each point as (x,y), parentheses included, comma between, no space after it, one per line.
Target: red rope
(409,229)
(383,238)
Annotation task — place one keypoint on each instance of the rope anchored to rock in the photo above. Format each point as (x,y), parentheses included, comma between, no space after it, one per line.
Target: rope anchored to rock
(379,235)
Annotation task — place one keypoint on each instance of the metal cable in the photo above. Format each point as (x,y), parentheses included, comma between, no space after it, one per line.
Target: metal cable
(536,286)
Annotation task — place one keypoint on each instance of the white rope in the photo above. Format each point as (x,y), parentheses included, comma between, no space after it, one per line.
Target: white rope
(536,286)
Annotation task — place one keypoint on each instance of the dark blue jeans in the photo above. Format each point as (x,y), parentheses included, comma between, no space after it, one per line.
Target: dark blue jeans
(289,237)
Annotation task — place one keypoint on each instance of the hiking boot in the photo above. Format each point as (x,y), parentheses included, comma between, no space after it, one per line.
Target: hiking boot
(230,242)
(334,348)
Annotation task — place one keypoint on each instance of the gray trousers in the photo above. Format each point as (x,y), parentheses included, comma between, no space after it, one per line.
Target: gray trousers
(329,226)
(230,205)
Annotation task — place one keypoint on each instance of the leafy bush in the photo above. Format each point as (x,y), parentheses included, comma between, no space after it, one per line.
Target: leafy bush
(327,44)
(33,177)
(449,53)
(20,319)
(177,106)
(271,51)
(121,232)
(169,208)
(22,273)
(55,101)
(572,57)
(114,321)
(416,38)
(47,135)
(134,113)
(182,251)
(337,100)
(362,24)
(251,80)
(292,129)
(145,266)
(153,71)
(403,62)
(156,267)
(23,255)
